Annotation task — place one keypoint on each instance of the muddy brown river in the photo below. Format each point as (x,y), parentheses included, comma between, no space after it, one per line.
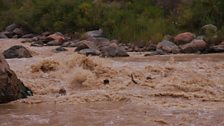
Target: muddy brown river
(173,90)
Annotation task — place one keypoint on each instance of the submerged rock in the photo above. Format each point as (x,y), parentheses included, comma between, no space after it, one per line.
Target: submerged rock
(17,51)
(11,88)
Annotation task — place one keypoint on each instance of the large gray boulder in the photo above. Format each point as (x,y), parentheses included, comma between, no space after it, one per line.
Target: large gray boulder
(17,51)
(11,88)
(93,34)
(113,50)
(167,47)
(11,27)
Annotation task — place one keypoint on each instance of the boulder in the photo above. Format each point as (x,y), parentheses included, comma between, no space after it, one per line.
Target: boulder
(93,34)
(59,37)
(15,36)
(54,43)
(11,88)
(8,34)
(61,49)
(113,50)
(18,31)
(196,45)
(28,35)
(106,48)
(46,33)
(81,45)
(184,38)
(17,51)
(99,42)
(85,44)
(158,52)
(36,44)
(93,52)
(3,35)
(151,47)
(72,43)
(167,47)
(217,48)
(11,27)
(66,44)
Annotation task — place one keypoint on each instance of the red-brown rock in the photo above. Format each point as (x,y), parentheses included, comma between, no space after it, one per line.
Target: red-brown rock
(56,37)
(184,38)
(194,46)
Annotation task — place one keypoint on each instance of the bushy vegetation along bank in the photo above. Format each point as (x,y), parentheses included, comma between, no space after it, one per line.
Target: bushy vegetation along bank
(125,20)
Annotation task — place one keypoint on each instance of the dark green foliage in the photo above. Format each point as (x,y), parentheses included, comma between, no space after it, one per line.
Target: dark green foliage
(126,20)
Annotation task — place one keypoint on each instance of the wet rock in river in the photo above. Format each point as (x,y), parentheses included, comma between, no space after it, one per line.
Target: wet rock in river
(17,51)
(11,88)
(113,50)
(167,47)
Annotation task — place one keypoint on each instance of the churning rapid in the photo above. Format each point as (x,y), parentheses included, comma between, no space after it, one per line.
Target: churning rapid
(72,89)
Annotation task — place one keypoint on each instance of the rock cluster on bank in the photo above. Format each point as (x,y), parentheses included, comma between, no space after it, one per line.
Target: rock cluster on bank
(94,42)
(190,43)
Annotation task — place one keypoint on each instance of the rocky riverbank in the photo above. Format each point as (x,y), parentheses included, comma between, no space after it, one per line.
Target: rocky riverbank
(94,42)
